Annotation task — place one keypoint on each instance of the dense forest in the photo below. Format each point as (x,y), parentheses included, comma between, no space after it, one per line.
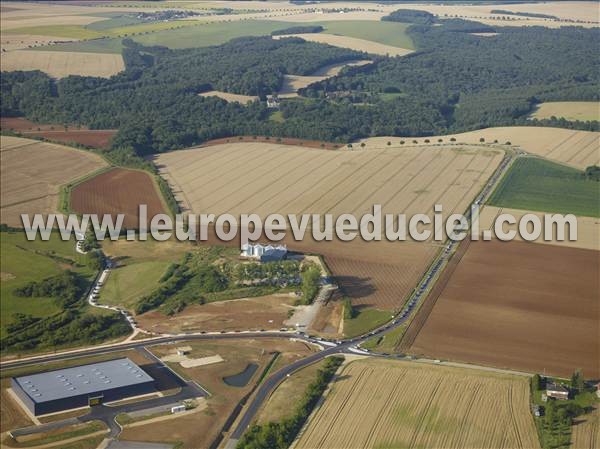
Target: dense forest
(454,82)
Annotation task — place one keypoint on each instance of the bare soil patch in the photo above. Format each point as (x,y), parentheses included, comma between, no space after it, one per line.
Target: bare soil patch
(518,305)
(95,138)
(267,312)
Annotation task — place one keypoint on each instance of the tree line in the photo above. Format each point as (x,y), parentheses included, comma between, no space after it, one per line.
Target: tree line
(454,82)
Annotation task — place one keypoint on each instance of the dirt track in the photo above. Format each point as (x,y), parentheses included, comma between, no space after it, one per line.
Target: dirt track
(519,305)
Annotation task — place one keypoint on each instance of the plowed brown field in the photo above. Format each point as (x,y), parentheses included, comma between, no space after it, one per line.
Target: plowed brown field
(95,138)
(519,305)
(118,191)
(389,404)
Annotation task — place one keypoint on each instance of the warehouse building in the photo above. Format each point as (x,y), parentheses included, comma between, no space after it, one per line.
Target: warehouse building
(81,386)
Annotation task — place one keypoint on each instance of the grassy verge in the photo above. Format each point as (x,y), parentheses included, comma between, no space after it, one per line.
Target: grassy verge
(54,436)
(279,435)
(290,391)
(365,320)
(386,343)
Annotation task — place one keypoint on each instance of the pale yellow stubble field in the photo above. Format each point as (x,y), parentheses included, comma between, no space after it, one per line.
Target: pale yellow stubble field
(385,404)
(579,149)
(32,173)
(355,44)
(269,178)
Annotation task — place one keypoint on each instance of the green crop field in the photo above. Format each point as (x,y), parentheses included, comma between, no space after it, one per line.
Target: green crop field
(24,261)
(539,185)
(388,33)
(113,22)
(365,320)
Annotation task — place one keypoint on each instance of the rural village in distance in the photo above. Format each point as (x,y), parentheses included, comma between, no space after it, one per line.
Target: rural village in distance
(248,224)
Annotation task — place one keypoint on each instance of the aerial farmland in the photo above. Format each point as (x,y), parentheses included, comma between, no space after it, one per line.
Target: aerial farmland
(491,324)
(383,404)
(462,319)
(31,184)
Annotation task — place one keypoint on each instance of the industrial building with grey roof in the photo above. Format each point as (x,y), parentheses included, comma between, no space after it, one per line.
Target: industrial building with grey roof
(81,386)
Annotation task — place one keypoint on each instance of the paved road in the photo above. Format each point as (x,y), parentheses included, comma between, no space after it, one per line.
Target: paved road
(264,390)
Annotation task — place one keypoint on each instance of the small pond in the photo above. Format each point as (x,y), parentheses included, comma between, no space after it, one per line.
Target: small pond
(241,379)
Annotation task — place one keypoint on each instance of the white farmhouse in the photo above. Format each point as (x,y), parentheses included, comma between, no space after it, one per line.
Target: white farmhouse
(264,253)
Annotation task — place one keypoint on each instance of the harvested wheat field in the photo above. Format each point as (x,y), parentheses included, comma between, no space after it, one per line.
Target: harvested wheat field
(60,64)
(292,83)
(569,110)
(353,43)
(518,305)
(32,173)
(581,13)
(586,430)
(296,180)
(230,98)
(588,228)
(118,191)
(579,149)
(10,42)
(389,404)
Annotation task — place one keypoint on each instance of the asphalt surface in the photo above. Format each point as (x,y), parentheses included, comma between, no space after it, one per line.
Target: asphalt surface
(107,414)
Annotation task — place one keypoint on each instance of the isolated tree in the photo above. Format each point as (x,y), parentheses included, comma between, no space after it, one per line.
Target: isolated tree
(482,140)
(389,143)
(452,139)
(349,311)
(536,383)
(577,382)
(362,145)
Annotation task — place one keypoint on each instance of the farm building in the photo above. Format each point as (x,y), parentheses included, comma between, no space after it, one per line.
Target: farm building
(557,391)
(273,101)
(81,386)
(264,253)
